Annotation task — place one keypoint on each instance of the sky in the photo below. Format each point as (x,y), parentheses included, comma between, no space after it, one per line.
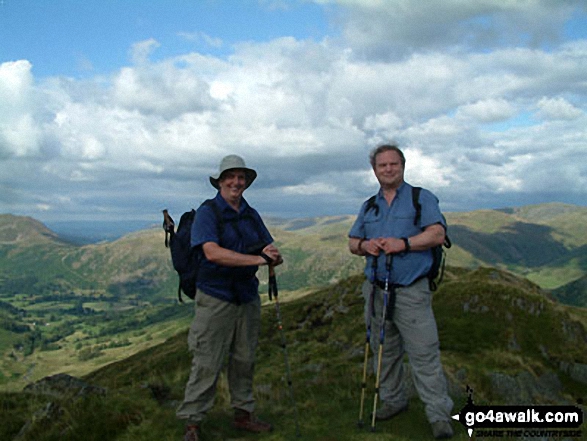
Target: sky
(114,110)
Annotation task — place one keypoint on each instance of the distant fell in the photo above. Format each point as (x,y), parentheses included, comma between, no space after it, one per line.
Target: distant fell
(25,231)
(574,293)
(546,243)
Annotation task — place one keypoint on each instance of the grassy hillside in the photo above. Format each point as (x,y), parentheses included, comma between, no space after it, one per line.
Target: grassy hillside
(500,334)
(545,243)
(574,293)
(63,304)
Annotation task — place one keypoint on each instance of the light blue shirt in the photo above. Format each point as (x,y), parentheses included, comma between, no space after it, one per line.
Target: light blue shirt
(397,220)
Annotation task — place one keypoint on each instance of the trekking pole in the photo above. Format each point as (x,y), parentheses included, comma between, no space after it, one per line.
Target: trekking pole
(388,262)
(273,293)
(168,226)
(368,338)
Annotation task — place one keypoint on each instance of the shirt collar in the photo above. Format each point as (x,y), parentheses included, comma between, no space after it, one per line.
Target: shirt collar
(223,205)
(399,190)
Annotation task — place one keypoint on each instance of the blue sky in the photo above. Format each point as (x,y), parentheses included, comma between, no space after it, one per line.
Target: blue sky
(78,38)
(117,109)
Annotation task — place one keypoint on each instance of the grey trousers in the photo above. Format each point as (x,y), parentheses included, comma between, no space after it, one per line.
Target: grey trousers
(220,330)
(411,330)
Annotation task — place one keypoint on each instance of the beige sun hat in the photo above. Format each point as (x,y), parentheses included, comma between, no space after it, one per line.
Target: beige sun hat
(231,162)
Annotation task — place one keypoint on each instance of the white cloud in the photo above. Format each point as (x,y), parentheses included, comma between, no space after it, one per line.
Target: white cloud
(319,188)
(394,28)
(558,108)
(425,171)
(490,110)
(140,52)
(197,37)
(476,126)
(18,132)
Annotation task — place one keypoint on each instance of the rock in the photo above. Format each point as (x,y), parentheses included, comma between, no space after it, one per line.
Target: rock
(63,385)
(42,417)
(525,388)
(577,371)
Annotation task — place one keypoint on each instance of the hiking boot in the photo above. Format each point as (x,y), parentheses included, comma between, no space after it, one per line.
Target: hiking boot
(247,421)
(388,411)
(192,433)
(442,429)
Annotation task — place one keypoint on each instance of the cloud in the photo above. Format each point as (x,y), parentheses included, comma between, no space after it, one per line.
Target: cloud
(489,110)
(477,126)
(139,52)
(319,188)
(196,37)
(387,29)
(558,108)
(18,131)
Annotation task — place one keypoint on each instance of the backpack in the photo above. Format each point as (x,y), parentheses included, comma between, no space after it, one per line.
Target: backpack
(436,272)
(185,258)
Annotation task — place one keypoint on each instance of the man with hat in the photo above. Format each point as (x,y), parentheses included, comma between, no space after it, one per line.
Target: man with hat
(234,242)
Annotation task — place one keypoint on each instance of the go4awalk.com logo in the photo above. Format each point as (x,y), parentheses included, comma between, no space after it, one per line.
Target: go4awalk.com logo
(520,421)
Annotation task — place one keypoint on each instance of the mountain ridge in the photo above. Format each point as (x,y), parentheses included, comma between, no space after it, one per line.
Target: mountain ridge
(90,301)
(536,241)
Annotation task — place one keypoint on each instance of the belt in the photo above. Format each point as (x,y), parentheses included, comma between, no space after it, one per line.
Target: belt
(381,284)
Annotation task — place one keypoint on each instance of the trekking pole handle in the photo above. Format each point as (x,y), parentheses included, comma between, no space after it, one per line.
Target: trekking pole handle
(167,221)
(388,258)
(272,282)
(168,226)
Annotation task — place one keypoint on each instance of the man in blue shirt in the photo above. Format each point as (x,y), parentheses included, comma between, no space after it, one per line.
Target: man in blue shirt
(234,242)
(385,227)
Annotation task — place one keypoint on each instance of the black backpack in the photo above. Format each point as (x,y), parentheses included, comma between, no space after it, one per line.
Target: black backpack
(185,258)
(436,273)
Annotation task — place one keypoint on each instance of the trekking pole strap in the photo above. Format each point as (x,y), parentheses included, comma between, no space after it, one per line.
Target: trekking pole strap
(390,294)
(272,283)
(371,309)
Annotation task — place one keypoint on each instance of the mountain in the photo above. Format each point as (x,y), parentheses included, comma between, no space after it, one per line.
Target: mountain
(574,293)
(501,335)
(545,243)
(82,306)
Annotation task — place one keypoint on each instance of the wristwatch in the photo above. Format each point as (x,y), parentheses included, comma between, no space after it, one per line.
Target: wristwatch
(407,244)
(360,243)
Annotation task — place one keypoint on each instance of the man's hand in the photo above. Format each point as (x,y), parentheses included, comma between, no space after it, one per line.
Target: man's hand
(391,245)
(273,253)
(371,247)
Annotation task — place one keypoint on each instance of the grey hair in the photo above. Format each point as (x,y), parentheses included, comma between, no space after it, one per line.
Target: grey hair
(386,148)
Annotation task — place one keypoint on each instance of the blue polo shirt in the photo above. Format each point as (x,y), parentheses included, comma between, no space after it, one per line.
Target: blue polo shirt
(397,220)
(243,232)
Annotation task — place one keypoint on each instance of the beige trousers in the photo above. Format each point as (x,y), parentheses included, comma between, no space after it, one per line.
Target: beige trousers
(221,330)
(412,330)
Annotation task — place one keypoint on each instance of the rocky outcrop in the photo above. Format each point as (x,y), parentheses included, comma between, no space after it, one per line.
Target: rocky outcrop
(59,388)
(63,385)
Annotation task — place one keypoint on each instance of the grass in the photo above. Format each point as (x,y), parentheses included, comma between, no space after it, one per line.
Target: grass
(325,337)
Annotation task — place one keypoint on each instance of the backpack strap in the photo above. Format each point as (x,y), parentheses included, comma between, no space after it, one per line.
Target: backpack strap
(372,205)
(219,220)
(416,202)
(221,223)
